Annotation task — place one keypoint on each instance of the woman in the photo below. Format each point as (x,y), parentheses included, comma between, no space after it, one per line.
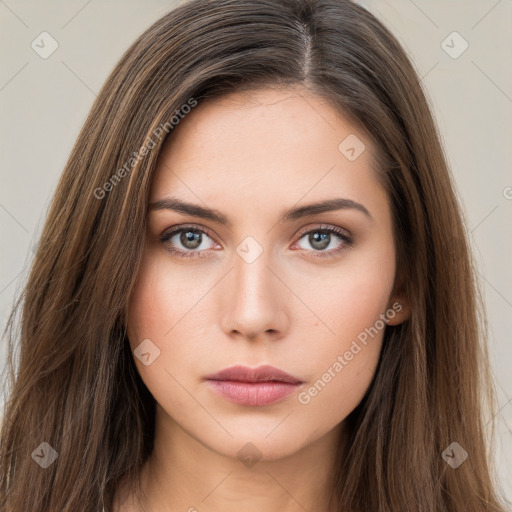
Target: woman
(253,289)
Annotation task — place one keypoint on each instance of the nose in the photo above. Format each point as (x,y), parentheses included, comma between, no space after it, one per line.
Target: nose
(255,300)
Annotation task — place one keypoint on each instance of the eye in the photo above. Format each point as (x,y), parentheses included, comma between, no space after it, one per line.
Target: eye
(188,241)
(323,237)
(192,241)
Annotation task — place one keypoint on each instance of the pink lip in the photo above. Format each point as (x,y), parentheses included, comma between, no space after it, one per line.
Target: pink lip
(253,386)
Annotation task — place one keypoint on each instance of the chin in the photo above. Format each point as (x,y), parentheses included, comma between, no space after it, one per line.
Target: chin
(251,444)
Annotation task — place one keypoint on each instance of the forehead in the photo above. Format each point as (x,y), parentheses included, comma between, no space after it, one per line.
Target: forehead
(263,146)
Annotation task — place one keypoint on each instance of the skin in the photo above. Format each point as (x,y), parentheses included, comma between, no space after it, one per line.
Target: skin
(251,157)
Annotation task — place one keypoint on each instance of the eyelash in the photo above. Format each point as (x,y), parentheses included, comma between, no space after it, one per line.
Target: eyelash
(341,234)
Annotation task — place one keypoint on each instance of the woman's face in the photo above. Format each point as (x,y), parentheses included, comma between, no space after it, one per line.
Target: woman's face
(255,278)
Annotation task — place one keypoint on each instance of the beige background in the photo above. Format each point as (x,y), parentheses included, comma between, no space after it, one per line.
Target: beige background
(43,103)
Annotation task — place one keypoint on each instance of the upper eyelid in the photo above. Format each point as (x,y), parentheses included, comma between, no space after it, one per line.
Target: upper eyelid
(326,227)
(177,229)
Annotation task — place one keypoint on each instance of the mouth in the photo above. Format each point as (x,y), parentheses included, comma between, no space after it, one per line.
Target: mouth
(260,386)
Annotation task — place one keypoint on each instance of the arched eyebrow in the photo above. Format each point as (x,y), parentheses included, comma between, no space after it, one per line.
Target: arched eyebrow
(194,210)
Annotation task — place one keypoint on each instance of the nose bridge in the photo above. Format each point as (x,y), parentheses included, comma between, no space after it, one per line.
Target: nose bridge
(255,304)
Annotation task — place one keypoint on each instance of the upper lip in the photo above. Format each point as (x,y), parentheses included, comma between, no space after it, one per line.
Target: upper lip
(263,373)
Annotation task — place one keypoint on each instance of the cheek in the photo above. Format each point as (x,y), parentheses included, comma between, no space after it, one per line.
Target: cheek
(341,367)
(164,295)
(343,360)
(351,298)
(166,307)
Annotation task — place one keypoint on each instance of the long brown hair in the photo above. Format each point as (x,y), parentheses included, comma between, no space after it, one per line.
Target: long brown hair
(73,382)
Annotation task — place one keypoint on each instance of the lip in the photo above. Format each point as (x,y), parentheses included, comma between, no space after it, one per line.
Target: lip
(259,386)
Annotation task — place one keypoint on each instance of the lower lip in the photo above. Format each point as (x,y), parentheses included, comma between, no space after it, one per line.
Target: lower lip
(253,393)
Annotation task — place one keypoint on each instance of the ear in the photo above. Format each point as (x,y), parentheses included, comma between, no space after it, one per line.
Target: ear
(399,309)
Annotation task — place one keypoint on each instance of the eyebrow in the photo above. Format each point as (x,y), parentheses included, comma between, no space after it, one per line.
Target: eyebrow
(194,210)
